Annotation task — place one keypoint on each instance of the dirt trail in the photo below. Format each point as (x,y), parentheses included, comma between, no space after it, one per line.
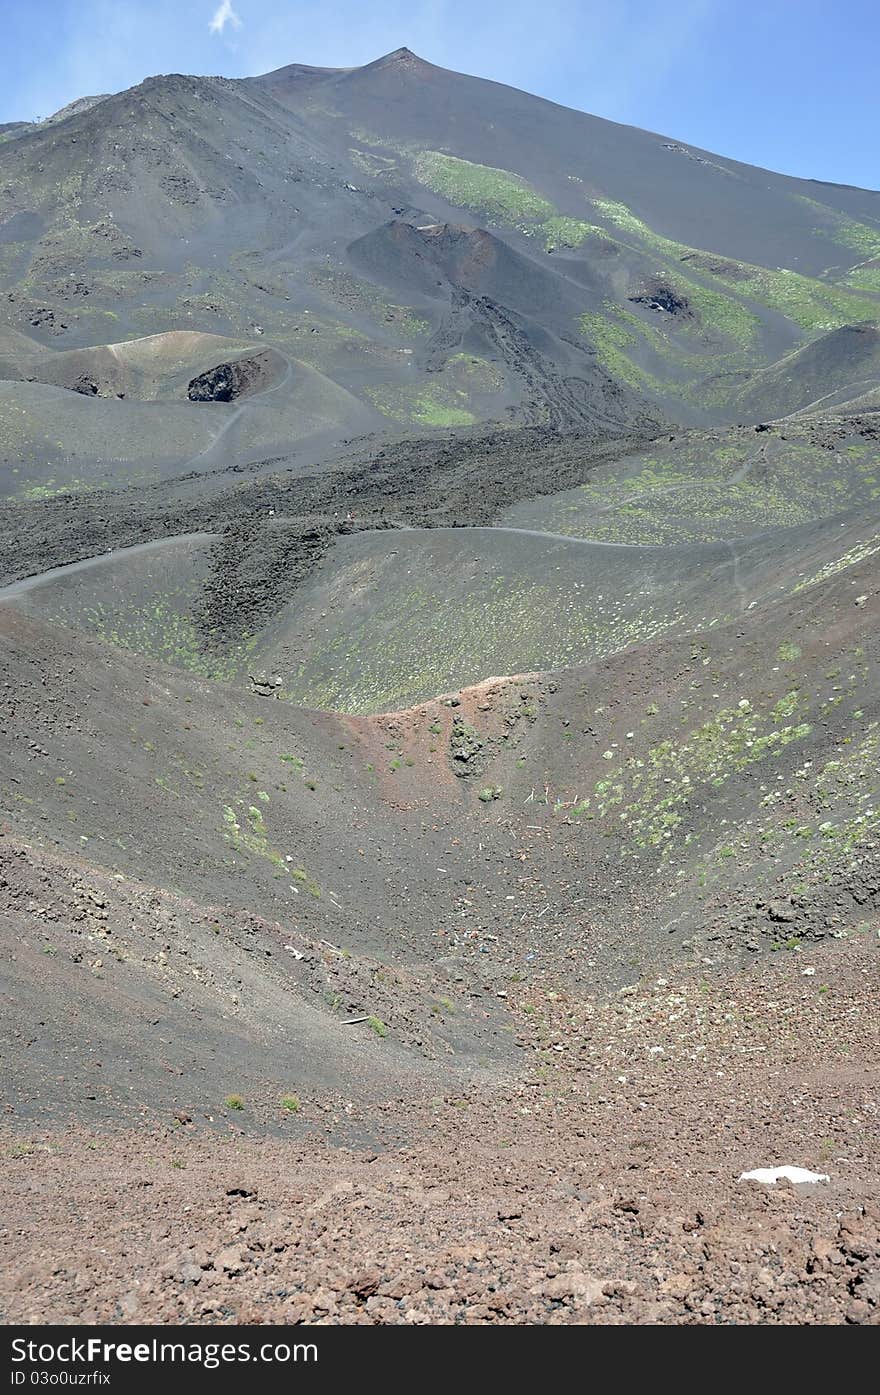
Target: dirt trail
(20,588)
(210,452)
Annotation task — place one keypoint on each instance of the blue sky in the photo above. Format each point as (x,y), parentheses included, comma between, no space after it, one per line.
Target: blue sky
(788,84)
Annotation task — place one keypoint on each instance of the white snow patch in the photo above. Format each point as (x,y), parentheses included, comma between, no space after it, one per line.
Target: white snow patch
(771,1175)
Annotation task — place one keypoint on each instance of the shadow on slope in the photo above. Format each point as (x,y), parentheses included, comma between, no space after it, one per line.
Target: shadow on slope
(833,371)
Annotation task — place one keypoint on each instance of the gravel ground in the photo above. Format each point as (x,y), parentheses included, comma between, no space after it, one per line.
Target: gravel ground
(598,1185)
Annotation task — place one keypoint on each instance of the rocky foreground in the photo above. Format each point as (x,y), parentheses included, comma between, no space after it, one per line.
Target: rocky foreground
(598,1184)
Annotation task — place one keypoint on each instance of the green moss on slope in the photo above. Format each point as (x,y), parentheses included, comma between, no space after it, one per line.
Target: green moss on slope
(502,195)
(813,305)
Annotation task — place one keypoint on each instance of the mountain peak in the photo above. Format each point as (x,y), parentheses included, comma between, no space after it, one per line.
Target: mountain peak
(400,57)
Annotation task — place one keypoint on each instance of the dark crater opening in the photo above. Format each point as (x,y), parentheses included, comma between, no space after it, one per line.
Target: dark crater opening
(660,296)
(228,381)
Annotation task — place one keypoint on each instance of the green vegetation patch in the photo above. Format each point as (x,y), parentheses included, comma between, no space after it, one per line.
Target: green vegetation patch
(452,398)
(673,357)
(430,406)
(426,624)
(359,296)
(865,278)
(247,831)
(161,632)
(846,790)
(502,195)
(708,492)
(858,553)
(145,604)
(560,231)
(849,232)
(813,305)
(650,795)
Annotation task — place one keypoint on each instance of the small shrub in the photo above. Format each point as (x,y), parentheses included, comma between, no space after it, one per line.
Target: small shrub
(788,652)
(234,1102)
(443,1005)
(291,1103)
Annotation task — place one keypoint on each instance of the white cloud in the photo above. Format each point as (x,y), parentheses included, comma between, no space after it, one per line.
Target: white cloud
(223,15)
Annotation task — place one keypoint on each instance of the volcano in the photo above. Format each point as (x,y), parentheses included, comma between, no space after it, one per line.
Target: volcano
(440,699)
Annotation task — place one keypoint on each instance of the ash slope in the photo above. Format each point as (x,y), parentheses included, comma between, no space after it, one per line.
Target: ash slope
(202,848)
